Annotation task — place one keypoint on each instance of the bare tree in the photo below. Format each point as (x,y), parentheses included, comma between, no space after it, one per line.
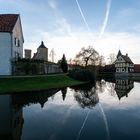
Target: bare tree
(52,55)
(101,61)
(88,56)
(112,58)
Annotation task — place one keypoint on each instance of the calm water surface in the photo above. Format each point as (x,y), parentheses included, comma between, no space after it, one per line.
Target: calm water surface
(105,111)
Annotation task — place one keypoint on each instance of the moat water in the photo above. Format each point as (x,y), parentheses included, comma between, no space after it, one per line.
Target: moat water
(104,111)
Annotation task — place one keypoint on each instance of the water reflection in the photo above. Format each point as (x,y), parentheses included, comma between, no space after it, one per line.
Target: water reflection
(11,119)
(60,112)
(33,98)
(123,87)
(119,87)
(64,92)
(11,111)
(86,95)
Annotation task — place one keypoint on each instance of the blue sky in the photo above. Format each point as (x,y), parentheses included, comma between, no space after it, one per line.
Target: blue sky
(107,25)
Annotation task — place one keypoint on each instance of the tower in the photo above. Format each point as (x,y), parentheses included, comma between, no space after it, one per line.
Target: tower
(42,52)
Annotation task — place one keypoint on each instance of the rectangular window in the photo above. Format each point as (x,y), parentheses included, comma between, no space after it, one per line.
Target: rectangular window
(17,42)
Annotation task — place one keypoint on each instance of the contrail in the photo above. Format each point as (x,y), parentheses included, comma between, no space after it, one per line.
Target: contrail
(83,17)
(105,121)
(78,136)
(106,18)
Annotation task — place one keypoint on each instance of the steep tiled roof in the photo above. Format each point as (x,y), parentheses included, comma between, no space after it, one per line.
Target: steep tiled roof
(127,59)
(7,22)
(119,53)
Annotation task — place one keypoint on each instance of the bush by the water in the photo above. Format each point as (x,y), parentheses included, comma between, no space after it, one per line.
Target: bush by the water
(82,75)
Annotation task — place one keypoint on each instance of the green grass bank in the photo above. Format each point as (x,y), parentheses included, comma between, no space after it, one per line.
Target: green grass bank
(33,83)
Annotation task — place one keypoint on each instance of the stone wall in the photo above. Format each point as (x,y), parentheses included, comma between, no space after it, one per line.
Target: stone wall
(33,67)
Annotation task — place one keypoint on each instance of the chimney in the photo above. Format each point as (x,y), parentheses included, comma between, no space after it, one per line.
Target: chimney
(126,54)
(28,53)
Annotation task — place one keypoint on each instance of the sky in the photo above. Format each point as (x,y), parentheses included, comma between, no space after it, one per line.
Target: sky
(68,25)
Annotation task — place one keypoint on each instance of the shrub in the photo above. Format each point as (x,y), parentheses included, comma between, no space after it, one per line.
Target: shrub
(82,75)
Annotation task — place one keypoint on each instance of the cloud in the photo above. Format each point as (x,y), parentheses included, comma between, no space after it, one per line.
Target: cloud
(127,42)
(128,12)
(109,43)
(64,40)
(63,26)
(52,4)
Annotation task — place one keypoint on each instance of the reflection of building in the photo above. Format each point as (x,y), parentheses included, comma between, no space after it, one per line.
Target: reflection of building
(11,113)
(11,41)
(123,87)
(11,119)
(35,97)
(123,64)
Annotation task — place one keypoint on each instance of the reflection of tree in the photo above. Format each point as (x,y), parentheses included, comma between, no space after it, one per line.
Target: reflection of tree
(111,87)
(100,86)
(64,92)
(108,83)
(86,96)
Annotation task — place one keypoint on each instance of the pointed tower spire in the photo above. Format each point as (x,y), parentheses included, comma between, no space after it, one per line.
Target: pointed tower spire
(119,53)
(42,45)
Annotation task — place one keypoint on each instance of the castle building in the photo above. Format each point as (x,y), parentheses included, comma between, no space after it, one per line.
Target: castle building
(11,41)
(42,52)
(123,63)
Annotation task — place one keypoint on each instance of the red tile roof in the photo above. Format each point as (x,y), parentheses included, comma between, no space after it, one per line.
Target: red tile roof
(7,22)
(137,68)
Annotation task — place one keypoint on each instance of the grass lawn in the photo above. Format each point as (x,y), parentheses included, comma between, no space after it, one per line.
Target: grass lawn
(32,83)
